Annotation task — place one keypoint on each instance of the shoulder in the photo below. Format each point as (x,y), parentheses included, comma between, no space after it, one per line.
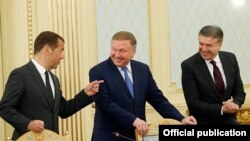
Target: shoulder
(19,74)
(135,63)
(192,59)
(139,67)
(20,70)
(101,65)
(226,54)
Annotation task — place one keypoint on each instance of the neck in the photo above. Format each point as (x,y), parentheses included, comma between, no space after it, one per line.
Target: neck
(39,59)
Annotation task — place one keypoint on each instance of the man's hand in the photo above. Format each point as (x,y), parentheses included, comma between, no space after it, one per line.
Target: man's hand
(36,126)
(93,87)
(141,126)
(230,107)
(190,120)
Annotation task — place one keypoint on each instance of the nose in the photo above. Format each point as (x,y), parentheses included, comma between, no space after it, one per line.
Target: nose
(62,56)
(203,48)
(117,54)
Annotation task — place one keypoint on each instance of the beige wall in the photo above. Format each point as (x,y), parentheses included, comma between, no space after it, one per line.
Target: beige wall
(22,20)
(2,129)
(13,43)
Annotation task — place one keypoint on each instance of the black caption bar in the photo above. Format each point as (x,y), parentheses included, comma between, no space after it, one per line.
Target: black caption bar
(202,132)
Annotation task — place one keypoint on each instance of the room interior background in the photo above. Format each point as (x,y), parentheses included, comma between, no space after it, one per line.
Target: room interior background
(166,31)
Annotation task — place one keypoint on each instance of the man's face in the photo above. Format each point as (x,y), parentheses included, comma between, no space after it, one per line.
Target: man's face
(121,52)
(56,55)
(208,47)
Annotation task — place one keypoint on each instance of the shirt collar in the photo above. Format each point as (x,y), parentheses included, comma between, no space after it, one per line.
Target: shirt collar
(128,66)
(39,67)
(216,59)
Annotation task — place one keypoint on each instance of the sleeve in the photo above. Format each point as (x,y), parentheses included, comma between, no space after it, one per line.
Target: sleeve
(14,90)
(70,107)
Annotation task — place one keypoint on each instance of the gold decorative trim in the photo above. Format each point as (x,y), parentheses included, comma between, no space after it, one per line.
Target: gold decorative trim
(247,86)
(243,116)
(29,21)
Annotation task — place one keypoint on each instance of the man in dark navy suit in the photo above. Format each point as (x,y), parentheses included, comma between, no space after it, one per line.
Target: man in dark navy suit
(121,108)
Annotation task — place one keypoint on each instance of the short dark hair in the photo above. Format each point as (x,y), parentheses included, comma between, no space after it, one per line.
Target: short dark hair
(46,37)
(212,31)
(125,35)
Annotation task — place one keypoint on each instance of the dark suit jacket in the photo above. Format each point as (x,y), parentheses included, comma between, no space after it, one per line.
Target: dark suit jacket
(116,110)
(26,98)
(201,96)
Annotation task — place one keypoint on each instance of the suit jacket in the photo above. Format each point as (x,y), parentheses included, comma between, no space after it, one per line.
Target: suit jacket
(116,109)
(201,96)
(26,98)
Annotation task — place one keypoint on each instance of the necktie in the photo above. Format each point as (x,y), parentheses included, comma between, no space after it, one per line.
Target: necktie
(219,83)
(128,81)
(48,84)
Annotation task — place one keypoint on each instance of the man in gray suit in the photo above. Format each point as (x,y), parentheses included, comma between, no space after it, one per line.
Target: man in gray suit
(32,100)
(211,81)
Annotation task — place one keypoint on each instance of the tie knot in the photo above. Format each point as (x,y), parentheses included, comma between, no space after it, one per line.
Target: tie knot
(125,69)
(46,73)
(213,63)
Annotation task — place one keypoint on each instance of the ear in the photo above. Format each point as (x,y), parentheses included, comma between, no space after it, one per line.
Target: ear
(47,49)
(134,51)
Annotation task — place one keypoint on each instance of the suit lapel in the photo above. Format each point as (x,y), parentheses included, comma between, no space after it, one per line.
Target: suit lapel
(117,78)
(51,98)
(35,74)
(227,70)
(57,91)
(136,78)
(204,70)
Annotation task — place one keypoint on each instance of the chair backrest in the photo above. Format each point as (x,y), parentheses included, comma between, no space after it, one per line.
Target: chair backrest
(45,135)
(243,116)
(154,129)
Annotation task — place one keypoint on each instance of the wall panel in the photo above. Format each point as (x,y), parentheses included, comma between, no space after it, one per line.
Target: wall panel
(164,29)
(186,18)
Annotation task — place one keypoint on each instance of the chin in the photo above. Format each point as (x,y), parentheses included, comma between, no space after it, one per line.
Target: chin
(117,63)
(205,57)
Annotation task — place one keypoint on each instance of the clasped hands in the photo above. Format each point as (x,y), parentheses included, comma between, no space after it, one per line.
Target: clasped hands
(230,107)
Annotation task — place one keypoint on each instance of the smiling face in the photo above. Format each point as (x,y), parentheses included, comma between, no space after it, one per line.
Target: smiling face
(122,51)
(123,48)
(210,39)
(208,47)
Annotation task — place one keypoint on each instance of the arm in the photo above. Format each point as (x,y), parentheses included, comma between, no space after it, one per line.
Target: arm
(238,93)
(14,90)
(81,100)
(159,102)
(70,107)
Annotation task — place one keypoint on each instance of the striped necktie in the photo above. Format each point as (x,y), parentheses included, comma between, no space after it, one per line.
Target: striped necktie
(128,81)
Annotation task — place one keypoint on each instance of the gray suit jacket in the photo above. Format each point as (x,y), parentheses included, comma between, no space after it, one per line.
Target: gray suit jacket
(26,98)
(200,93)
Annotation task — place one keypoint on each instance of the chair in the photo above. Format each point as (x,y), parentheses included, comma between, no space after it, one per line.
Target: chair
(243,116)
(45,135)
(153,129)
